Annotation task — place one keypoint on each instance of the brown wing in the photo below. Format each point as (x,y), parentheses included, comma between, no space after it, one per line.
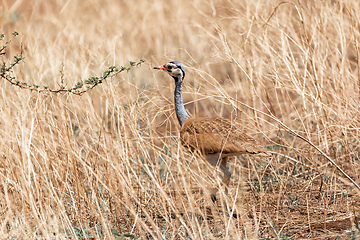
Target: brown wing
(217,135)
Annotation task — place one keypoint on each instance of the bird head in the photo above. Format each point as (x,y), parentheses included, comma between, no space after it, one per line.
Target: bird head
(174,69)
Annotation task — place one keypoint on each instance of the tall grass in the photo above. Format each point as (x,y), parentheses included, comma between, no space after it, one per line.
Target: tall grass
(108,163)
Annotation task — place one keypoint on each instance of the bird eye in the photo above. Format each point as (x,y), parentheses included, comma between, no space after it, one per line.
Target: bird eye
(169,67)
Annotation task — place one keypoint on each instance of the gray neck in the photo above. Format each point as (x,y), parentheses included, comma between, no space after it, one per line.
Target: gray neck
(179,105)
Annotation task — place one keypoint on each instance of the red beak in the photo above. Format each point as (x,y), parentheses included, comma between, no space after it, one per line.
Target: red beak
(160,67)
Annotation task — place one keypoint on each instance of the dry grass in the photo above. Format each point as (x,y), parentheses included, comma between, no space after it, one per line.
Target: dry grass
(108,163)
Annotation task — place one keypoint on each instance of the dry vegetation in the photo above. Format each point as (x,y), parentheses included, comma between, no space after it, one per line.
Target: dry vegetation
(108,164)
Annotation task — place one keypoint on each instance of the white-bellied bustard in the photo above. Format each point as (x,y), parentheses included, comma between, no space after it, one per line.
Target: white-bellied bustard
(215,138)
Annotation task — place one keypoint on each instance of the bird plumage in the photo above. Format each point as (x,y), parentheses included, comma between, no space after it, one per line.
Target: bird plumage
(211,135)
(215,138)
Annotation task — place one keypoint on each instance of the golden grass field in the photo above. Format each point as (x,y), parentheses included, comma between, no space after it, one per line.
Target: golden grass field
(108,164)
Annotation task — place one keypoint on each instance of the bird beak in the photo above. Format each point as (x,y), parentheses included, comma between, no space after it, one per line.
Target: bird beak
(160,67)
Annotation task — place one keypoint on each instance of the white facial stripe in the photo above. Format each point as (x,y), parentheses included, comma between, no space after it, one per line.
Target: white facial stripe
(173,70)
(177,72)
(170,64)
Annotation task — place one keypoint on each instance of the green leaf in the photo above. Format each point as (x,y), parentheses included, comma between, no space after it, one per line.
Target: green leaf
(129,235)
(79,84)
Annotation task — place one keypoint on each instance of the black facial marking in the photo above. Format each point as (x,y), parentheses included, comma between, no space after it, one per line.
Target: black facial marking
(183,72)
(180,66)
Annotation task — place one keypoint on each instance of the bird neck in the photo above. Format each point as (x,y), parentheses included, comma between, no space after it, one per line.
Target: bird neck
(179,105)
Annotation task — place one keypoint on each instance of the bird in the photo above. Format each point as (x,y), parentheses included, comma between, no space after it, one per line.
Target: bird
(215,138)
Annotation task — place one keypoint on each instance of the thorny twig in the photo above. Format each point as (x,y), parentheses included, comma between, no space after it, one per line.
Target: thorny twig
(79,88)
